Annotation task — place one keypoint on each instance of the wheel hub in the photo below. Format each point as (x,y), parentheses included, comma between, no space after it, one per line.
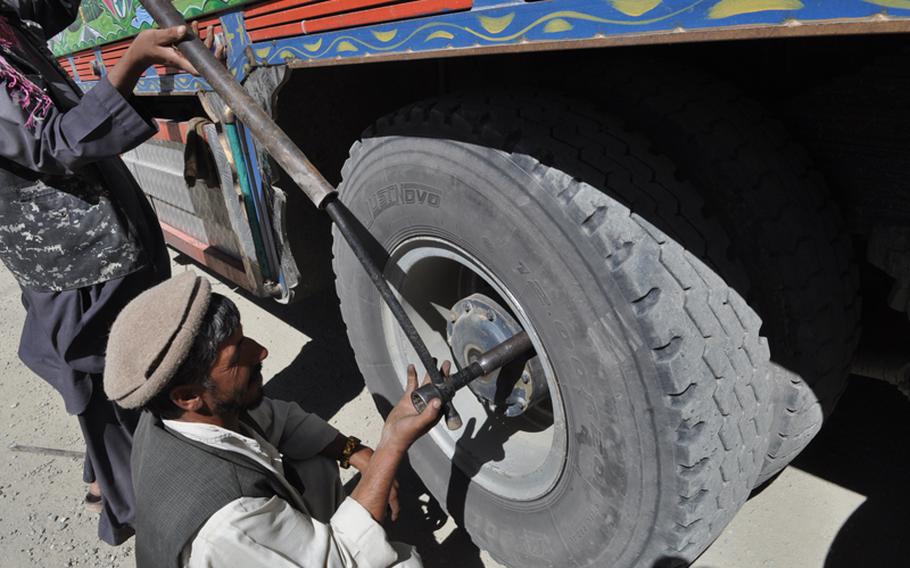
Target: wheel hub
(476,325)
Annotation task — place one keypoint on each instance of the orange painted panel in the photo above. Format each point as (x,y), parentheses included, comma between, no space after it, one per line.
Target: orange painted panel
(65,63)
(385,14)
(84,66)
(270,7)
(171,130)
(306,12)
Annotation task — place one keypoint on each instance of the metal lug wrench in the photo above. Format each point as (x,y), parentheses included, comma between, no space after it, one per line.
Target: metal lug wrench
(499,356)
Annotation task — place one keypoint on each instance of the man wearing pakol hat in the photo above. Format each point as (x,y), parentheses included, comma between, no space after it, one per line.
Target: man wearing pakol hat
(226,477)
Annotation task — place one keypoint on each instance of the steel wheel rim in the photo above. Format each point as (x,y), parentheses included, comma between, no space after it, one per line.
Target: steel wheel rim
(514,458)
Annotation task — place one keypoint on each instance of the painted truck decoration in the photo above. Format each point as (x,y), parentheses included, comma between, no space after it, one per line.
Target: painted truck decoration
(297,31)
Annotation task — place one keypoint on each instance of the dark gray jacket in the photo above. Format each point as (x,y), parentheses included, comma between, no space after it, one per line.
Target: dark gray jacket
(71,214)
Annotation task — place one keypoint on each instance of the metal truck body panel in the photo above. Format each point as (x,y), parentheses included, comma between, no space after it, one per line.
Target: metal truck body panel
(302,32)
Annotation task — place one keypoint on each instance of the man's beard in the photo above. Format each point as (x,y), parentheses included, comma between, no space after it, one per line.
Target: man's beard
(242,400)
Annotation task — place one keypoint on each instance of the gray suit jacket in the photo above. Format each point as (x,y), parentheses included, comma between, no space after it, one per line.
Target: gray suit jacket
(71,214)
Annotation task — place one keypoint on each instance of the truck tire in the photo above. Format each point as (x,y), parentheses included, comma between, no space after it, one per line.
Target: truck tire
(787,232)
(659,409)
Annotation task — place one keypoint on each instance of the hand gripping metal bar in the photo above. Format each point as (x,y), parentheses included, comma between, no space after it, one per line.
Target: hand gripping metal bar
(346,224)
(278,144)
(298,167)
(501,355)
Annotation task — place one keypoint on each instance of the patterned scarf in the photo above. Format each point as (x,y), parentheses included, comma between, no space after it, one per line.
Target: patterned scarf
(26,94)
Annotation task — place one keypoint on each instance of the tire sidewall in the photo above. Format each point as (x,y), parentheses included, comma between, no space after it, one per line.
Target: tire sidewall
(619,450)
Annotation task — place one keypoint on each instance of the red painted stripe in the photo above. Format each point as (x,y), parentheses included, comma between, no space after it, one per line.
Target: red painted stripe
(165,70)
(207,255)
(385,14)
(171,130)
(306,12)
(84,66)
(65,64)
(277,31)
(270,7)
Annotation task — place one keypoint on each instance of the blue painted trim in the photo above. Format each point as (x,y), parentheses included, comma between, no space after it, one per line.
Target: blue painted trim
(492,23)
(154,84)
(565,20)
(72,61)
(260,201)
(236,38)
(100,59)
(182,83)
(240,162)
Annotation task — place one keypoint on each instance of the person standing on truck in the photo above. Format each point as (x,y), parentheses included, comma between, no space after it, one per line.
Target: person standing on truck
(75,229)
(227,477)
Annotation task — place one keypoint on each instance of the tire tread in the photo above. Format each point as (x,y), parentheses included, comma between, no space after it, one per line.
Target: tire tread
(740,153)
(711,361)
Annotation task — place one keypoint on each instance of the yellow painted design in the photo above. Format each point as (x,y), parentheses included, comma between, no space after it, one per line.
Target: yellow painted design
(287,54)
(313,46)
(635,8)
(556,26)
(496,25)
(568,15)
(347,46)
(440,34)
(728,8)
(901,4)
(385,36)
(264,52)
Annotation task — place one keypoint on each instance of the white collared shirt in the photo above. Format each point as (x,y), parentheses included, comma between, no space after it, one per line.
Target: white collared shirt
(257,531)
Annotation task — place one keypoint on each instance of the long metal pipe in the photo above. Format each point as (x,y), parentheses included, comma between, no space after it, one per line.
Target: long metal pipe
(347,226)
(283,150)
(272,138)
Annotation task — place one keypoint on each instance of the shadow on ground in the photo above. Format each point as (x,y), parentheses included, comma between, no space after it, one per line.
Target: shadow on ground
(324,375)
(421,515)
(865,447)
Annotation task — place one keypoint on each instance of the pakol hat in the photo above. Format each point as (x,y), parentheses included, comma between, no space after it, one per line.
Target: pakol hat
(151,338)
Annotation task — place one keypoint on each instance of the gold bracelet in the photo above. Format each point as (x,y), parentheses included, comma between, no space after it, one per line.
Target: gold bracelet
(349,448)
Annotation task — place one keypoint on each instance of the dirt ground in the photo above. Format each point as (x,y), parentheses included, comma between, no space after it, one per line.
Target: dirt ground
(843,502)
